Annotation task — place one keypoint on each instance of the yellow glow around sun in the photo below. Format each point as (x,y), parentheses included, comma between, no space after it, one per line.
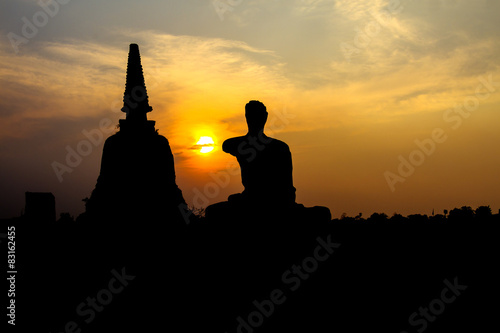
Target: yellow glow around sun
(206,143)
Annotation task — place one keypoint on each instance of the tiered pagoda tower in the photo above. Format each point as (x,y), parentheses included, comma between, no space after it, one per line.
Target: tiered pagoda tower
(137,176)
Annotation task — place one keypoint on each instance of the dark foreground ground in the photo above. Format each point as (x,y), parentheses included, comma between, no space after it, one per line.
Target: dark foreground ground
(259,275)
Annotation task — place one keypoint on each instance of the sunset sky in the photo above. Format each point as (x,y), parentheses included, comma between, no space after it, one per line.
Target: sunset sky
(387,106)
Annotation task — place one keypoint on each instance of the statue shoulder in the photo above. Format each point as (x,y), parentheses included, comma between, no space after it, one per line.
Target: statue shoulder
(280,145)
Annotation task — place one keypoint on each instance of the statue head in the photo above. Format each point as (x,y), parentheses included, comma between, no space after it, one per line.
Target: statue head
(256,116)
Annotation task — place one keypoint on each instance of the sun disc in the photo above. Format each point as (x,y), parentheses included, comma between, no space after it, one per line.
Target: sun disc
(206,143)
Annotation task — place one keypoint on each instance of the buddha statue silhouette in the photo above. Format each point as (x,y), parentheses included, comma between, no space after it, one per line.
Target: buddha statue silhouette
(266,171)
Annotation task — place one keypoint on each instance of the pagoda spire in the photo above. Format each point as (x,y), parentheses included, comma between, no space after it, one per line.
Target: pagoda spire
(135,98)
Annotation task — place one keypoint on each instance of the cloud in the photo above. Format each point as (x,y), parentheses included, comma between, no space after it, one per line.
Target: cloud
(190,77)
(79,79)
(313,8)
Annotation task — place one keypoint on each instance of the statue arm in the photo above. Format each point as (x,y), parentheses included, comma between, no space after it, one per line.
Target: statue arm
(289,166)
(230,146)
(288,173)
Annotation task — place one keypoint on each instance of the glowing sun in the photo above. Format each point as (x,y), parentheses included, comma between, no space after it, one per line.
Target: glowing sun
(206,144)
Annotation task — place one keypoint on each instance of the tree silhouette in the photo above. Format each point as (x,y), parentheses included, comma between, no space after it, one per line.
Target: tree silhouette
(465,213)
(483,213)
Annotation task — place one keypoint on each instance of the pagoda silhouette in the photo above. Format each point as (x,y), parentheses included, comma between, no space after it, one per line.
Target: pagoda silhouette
(137,175)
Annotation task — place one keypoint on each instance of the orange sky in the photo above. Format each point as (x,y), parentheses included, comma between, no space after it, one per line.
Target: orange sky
(349,119)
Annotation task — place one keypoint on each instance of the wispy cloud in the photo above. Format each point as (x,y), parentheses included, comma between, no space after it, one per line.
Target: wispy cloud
(359,9)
